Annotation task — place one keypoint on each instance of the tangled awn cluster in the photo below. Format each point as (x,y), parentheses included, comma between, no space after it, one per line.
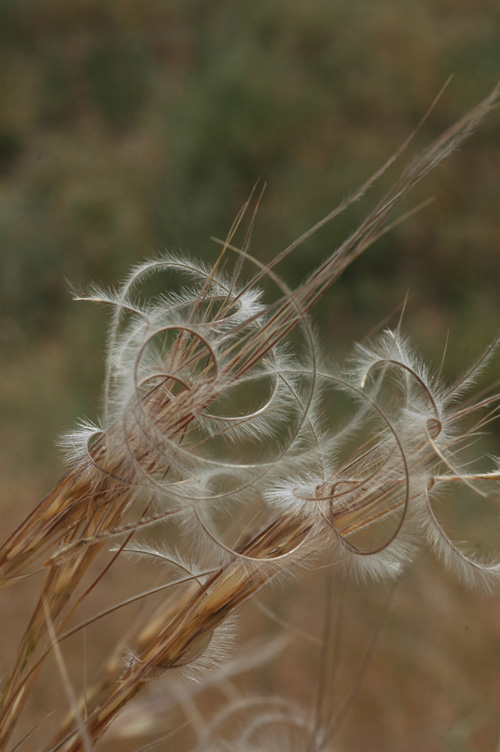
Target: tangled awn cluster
(249,493)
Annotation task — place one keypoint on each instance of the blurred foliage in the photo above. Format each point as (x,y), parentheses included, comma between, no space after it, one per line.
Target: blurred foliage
(127,127)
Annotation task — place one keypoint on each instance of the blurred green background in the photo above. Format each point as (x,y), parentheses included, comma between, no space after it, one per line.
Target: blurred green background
(133,126)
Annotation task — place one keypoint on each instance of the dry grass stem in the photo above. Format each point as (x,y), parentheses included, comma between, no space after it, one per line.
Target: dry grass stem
(173,450)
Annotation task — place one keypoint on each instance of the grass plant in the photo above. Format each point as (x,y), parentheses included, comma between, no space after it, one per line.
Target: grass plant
(241,496)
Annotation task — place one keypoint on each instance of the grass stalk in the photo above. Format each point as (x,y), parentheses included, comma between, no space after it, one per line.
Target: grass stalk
(150,460)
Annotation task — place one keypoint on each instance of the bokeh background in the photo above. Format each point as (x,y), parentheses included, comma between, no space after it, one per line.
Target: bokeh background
(129,127)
